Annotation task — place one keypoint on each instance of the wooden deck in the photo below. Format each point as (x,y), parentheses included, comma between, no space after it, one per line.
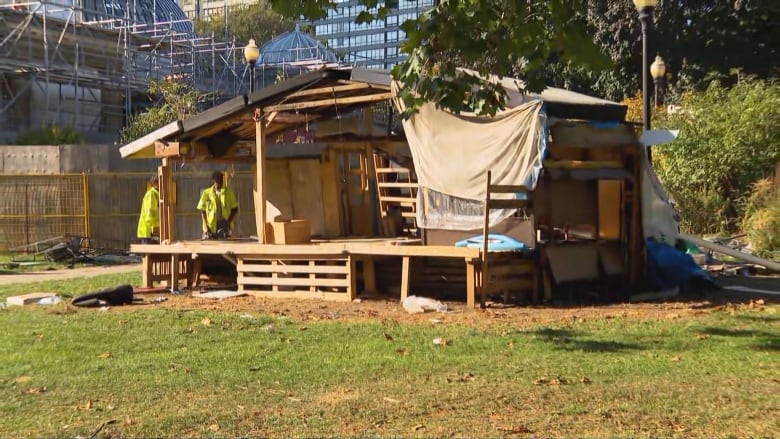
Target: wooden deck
(323,269)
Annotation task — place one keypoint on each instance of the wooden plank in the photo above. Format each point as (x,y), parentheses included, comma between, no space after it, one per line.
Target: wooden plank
(306,188)
(174,284)
(393,170)
(578,164)
(330,195)
(168,149)
(507,189)
(508,204)
(298,294)
(278,178)
(377,97)
(285,268)
(292,281)
(398,199)
(252,250)
(329,89)
(401,185)
(405,277)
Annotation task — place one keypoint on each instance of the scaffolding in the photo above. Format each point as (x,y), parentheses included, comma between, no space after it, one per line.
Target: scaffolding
(63,63)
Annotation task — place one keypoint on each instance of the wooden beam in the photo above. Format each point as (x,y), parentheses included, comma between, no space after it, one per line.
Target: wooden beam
(260,177)
(404,277)
(330,89)
(169,149)
(377,97)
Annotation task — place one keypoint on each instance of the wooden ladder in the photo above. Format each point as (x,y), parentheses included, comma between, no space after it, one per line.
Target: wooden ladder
(397,192)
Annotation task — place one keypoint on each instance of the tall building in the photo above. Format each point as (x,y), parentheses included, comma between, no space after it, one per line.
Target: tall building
(373,45)
(204,8)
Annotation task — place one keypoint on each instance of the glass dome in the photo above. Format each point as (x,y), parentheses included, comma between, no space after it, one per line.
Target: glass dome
(296,48)
(165,13)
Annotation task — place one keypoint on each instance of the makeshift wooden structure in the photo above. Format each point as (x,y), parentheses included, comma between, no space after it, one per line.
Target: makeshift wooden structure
(357,174)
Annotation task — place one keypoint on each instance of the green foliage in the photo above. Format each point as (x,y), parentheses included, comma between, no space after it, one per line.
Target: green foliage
(50,135)
(729,138)
(761,222)
(491,37)
(246,21)
(699,41)
(174,100)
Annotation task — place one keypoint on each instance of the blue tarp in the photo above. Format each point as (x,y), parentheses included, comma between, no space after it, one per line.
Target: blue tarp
(669,267)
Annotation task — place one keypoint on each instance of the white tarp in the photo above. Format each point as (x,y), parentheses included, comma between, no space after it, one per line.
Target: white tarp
(452,154)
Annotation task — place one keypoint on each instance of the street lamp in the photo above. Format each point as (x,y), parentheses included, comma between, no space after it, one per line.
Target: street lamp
(251,54)
(645,8)
(658,72)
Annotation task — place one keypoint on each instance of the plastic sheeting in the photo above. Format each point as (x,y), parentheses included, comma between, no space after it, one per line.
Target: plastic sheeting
(452,154)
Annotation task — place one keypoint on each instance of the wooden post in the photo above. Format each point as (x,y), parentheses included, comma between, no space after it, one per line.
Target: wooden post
(369,274)
(165,187)
(174,284)
(260,175)
(146,276)
(471,283)
(404,278)
(352,276)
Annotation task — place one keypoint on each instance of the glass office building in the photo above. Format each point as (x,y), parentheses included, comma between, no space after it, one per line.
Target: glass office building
(373,45)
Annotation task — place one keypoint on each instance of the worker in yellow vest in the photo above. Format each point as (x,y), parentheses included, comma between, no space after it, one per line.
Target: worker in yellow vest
(149,222)
(218,208)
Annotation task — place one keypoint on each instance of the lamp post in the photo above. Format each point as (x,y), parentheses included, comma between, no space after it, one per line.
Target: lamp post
(658,72)
(645,8)
(251,54)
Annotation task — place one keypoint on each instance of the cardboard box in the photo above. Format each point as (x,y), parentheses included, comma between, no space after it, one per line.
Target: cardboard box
(27,299)
(288,232)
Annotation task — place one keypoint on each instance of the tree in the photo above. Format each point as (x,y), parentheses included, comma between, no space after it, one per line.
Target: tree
(492,37)
(173,100)
(256,21)
(50,135)
(699,41)
(729,139)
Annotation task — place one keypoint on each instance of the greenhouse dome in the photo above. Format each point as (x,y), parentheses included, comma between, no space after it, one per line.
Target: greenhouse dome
(295,48)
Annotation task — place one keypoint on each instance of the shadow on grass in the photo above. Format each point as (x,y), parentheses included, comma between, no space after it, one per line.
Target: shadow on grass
(762,319)
(766,341)
(567,340)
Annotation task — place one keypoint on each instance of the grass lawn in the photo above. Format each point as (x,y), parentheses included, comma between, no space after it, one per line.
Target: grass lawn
(155,372)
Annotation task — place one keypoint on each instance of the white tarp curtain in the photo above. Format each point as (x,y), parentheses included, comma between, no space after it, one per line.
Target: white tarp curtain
(452,154)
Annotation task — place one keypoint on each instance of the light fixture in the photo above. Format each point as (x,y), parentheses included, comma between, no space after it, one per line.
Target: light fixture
(658,68)
(641,4)
(251,54)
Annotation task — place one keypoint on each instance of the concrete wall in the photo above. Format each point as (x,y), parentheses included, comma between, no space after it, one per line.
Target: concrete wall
(64,159)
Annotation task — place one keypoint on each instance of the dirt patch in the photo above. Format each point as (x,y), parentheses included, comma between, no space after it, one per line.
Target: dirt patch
(389,309)
(7,277)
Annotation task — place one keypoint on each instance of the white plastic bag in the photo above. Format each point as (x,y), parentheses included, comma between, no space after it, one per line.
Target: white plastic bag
(416,304)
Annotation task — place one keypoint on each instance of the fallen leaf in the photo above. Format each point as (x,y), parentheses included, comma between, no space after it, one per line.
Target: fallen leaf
(676,358)
(303,328)
(462,378)
(388,337)
(294,399)
(38,337)
(105,355)
(206,322)
(214,427)
(585,380)
(23,379)
(402,351)
(391,400)
(418,427)
(437,321)
(702,336)
(88,405)
(32,390)
(515,430)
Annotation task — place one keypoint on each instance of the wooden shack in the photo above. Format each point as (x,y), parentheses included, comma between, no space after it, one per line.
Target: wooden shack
(335,211)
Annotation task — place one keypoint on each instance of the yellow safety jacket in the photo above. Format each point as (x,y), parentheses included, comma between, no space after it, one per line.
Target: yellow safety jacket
(208,203)
(150,213)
